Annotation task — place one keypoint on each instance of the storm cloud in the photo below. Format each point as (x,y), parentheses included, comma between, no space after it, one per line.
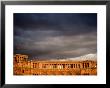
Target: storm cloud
(55,35)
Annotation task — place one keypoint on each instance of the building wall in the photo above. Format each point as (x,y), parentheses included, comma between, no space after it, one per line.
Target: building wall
(22,66)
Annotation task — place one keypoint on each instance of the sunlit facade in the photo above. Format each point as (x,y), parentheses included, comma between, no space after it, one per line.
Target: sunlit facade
(23,66)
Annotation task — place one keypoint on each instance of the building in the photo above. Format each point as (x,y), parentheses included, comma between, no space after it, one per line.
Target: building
(23,66)
(20,58)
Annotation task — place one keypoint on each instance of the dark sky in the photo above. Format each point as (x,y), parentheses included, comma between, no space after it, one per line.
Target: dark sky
(55,35)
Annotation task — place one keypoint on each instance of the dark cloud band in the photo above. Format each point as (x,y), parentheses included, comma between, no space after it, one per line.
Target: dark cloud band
(55,34)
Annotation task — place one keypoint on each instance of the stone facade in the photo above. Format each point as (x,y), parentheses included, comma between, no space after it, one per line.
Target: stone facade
(23,66)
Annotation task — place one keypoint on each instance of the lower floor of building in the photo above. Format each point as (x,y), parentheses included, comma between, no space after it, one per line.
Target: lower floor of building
(92,71)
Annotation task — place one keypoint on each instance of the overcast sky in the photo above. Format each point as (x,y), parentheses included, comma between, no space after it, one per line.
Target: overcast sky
(55,35)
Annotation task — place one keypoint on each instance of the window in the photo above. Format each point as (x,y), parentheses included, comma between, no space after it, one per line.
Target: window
(71,65)
(63,65)
(23,71)
(55,66)
(35,65)
(74,65)
(88,64)
(83,65)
